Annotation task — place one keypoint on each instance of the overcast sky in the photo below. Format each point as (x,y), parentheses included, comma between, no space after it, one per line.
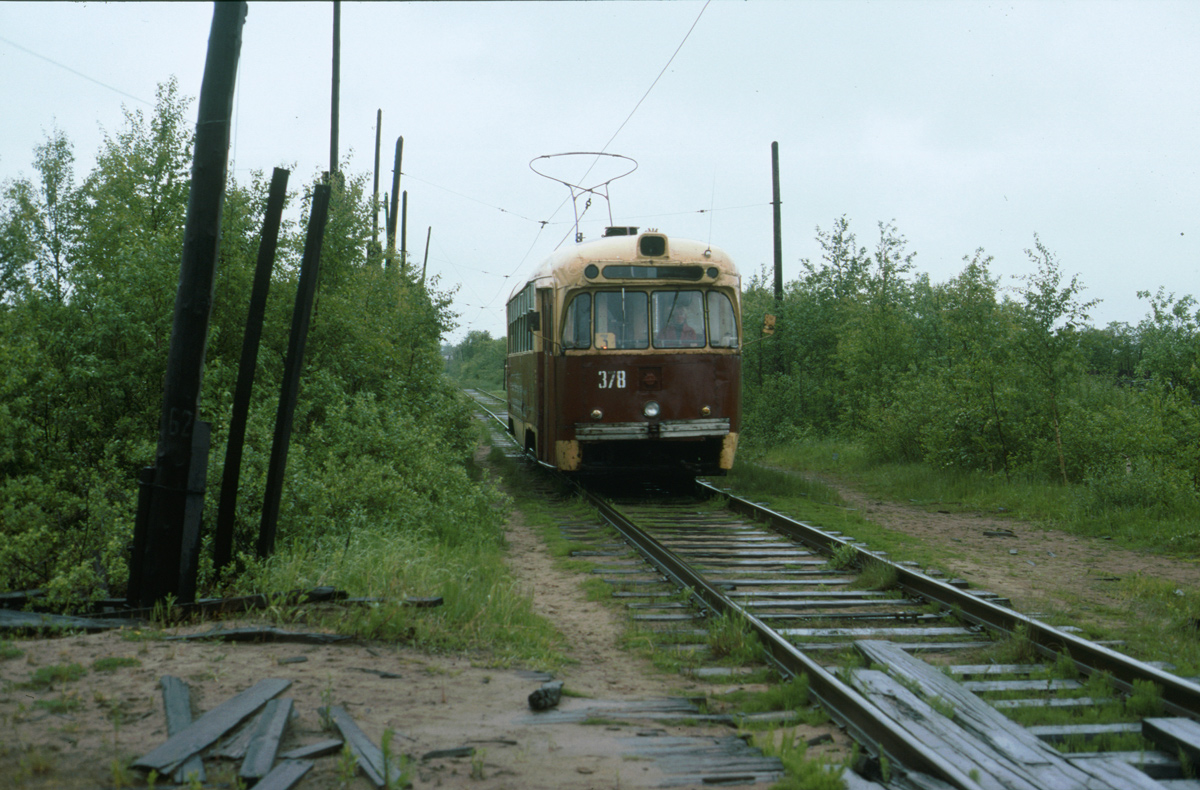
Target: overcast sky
(970,124)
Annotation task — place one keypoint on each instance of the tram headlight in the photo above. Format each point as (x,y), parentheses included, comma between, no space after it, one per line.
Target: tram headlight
(650,409)
(597,414)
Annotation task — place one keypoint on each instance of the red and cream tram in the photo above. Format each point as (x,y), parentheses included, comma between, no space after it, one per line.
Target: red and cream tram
(624,354)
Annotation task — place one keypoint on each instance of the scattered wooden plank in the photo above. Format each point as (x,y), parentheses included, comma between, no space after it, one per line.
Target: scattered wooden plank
(442,754)
(285,775)
(177,705)
(234,747)
(1050,702)
(1174,735)
(20,599)
(318,749)
(1015,749)
(379,672)
(927,647)
(1054,733)
(1049,684)
(1118,773)
(370,756)
(424,602)
(855,782)
(1156,765)
(970,670)
(262,634)
(205,731)
(859,632)
(995,770)
(264,743)
(24,622)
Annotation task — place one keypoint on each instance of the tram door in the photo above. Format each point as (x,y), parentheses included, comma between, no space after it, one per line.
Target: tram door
(548,405)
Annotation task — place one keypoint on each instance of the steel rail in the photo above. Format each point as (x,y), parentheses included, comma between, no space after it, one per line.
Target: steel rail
(1180,697)
(491,413)
(867,724)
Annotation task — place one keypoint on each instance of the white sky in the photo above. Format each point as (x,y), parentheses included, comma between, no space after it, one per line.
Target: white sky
(971,124)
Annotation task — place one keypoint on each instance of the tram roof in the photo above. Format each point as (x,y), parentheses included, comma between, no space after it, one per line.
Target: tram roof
(566,265)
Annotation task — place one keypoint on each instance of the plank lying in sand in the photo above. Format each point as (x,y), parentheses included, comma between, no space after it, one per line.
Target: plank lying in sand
(205,731)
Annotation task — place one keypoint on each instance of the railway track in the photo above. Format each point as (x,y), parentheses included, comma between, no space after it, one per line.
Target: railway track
(906,662)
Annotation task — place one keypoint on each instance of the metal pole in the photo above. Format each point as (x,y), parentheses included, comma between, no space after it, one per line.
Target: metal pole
(173,474)
(778,228)
(310,267)
(337,81)
(227,510)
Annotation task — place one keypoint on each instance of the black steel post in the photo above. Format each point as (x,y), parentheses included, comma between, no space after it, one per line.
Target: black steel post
(778,227)
(167,507)
(395,212)
(335,92)
(310,267)
(227,510)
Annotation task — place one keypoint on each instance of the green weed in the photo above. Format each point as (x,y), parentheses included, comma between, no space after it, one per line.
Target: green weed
(110,663)
(801,773)
(47,677)
(730,639)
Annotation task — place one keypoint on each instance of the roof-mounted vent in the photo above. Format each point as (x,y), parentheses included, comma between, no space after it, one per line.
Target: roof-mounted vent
(623,230)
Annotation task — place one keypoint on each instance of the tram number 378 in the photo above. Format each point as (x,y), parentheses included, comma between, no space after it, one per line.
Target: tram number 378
(612,379)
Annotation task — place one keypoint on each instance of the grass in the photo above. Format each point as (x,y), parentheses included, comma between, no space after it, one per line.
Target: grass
(111,663)
(1156,618)
(789,694)
(1050,504)
(485,609)
(50,676)
(63,703)
(731,641)
(876,576)
(813,502)
(802,773)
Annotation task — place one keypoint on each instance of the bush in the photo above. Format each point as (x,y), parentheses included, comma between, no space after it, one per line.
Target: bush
(1143,483)
(380,441)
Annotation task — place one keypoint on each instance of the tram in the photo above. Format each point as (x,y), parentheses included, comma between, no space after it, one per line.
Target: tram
(624,356)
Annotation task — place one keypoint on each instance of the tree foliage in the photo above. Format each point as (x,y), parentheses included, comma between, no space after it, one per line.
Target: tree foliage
(477,360)
(88,276)
(971,375)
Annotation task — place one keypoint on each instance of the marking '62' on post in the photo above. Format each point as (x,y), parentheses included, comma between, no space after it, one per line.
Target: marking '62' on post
(612,379)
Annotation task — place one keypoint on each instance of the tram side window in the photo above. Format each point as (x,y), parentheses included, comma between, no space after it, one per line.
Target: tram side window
(621,319)
(577,326)
(722,324)
(520,333)
(678,319)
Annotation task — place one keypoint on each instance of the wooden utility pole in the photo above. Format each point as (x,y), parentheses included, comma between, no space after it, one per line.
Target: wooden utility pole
(306,290)
(404,232)
(375,193)
(778,228)
(394,213)
(166,551)
(337,83)
(425,262)
(231,476)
